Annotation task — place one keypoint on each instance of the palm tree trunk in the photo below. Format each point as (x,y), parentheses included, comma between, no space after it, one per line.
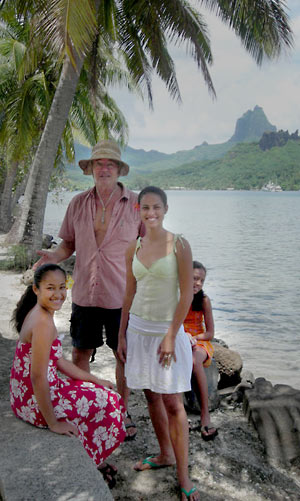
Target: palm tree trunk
(28,227)
(6,198)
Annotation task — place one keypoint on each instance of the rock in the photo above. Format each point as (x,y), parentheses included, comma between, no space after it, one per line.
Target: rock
(229,364)
(27,277)
(47,241)
(68,264)
(275,413)
(192,398)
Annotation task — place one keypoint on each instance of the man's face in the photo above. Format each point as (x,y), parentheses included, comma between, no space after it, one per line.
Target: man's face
(105,171)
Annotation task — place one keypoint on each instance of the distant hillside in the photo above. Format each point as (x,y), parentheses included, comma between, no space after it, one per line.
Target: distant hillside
(251,126)
(244,167)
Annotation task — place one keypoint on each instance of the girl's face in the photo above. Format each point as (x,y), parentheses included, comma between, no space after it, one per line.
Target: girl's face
(152,210)
(199,279)
(52,292)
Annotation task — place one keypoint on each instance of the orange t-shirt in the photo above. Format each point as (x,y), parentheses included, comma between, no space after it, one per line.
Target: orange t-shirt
(194,324)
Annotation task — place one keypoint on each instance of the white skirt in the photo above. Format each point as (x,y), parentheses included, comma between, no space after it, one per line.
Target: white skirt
(142,369)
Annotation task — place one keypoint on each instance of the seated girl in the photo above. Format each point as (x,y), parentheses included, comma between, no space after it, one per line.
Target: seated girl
(80,405)
(199,325)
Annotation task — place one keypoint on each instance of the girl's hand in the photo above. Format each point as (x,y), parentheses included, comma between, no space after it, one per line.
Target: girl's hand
(64,428)
(166,351)
(105,382)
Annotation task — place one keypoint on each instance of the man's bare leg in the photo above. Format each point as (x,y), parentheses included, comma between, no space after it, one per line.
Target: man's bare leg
(81,358)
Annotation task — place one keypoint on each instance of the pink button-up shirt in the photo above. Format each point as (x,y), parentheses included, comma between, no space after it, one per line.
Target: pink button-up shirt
(100,272)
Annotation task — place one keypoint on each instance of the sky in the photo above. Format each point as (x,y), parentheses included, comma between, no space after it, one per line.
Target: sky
(239,83)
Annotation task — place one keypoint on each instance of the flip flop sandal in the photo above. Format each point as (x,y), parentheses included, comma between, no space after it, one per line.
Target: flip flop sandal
(206,435)
(188,493)
(153,466)
(130,425)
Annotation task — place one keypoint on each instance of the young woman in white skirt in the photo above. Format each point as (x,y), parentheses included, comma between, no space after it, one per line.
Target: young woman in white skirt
(152,343)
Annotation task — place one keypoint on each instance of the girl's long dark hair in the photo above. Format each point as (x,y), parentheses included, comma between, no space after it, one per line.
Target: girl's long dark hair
(29,299)
(156,191)
(197,303)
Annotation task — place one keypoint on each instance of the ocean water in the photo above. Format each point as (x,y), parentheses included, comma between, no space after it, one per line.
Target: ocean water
(250,244)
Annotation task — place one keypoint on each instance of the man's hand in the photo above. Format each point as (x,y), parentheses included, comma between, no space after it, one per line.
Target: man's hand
(46,257)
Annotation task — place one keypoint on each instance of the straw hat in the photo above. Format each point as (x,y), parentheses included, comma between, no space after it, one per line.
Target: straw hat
(107,148)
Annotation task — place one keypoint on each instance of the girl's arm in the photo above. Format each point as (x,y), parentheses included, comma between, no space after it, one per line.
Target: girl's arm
(209,321)
(71,370)
(185,277)
(43,334)
(128,298)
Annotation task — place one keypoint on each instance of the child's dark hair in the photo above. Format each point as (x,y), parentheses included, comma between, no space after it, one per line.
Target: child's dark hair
(29,299)
(156,191)
(197,303)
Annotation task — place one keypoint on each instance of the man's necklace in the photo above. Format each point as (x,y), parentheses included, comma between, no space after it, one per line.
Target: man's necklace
(105,205)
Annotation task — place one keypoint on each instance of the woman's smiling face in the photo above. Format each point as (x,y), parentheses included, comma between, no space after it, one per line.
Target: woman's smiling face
(152,210)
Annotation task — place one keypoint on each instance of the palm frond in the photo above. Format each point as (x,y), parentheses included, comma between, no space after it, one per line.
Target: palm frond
(69,27)
(262,25)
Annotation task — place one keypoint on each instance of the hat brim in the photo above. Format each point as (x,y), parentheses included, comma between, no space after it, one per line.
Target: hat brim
(86,166)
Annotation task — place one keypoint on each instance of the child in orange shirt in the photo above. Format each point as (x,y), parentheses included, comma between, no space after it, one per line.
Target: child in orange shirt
(199,325)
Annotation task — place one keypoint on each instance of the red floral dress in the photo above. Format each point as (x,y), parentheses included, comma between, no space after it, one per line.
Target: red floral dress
(96,411)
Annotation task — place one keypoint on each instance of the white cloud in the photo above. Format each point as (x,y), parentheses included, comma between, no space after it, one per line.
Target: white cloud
(239,84)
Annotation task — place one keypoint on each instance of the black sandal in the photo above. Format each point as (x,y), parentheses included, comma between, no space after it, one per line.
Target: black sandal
(130,425)
(108,473)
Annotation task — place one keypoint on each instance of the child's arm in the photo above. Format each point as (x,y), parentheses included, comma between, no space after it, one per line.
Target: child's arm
(208,320)
(128,298)
(43,334)
(74,372)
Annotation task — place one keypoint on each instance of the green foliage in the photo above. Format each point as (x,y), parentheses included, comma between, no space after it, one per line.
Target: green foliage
(17,259)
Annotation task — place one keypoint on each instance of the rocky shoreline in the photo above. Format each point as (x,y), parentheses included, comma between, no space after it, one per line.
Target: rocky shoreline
(235,466)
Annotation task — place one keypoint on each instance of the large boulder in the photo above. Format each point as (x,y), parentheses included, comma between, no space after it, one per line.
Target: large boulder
(192,398)
(229,364)
(275,413)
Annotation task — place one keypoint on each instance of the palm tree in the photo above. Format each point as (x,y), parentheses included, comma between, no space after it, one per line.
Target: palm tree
(141,29)
(25,98)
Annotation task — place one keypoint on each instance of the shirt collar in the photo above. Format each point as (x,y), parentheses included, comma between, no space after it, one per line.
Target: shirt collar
(125,191)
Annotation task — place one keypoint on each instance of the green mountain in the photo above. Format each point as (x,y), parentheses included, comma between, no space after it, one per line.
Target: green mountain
(245,167)
(251,126)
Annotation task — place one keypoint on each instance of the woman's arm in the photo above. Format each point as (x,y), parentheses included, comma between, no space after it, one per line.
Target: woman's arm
(43,335)
(185,277)
(128,298)
(71,370)
(208,320)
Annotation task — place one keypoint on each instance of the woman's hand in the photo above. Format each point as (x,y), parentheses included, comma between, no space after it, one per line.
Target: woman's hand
(166,351)
(193,339)
(64,428)
(122,349)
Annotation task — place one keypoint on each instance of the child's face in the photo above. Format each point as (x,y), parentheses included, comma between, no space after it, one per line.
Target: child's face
(51,293)
(199,279)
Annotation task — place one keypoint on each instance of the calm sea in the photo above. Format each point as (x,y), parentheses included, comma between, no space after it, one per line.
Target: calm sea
(250,244)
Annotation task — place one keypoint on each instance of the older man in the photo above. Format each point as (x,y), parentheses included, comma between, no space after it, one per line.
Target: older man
(98,225)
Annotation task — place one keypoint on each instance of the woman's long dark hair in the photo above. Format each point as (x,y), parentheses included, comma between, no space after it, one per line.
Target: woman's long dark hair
(197,303)
(29,299)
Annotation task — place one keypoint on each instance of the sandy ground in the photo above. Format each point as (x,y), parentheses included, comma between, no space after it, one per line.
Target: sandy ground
(232,467)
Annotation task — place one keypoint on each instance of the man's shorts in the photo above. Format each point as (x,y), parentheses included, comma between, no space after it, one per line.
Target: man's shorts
(87,324)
